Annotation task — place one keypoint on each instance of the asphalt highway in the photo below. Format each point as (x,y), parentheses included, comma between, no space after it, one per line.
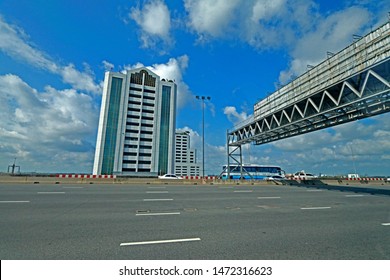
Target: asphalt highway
(171,222)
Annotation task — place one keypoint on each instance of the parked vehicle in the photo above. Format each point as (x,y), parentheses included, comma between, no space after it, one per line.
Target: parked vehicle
(275,178)
(302,175)
(353,176)
(170,176)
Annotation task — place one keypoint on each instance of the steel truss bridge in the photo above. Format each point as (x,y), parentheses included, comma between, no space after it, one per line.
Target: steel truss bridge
(350,85)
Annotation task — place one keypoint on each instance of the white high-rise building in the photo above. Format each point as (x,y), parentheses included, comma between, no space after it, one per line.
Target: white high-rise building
(136,134)
(185,158)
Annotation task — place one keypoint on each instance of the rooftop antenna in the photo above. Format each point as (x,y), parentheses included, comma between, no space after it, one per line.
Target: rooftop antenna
(13,167)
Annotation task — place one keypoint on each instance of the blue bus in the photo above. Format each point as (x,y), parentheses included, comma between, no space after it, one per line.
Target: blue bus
(253,172)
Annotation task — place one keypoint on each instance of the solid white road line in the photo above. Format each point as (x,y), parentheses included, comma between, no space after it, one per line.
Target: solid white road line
(314,190)
(354,195)
(385,224)
(50,192)
(243,191)
(268,197)
(158,199)
(315,208)
(73,187)
(157,187)
(160,241)
(14,201)
(157,214)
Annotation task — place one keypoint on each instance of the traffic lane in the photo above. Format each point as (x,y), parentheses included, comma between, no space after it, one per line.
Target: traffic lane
(98,220)
(134,199)
(249,233)
(338,231)
(244,198)
(59,226)
(89,188)
(87,235)
(139,199)
(89,231)
(341,211)
(51,220)
(224,233)
(332,198)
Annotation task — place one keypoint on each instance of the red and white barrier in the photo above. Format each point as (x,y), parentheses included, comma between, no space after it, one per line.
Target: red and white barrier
(365,179)
(199,177)
(85,176)
(88,176)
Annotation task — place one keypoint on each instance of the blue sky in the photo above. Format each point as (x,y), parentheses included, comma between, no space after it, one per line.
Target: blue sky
(53,55)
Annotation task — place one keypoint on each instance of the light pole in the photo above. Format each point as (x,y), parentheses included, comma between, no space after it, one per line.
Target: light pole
(203,98)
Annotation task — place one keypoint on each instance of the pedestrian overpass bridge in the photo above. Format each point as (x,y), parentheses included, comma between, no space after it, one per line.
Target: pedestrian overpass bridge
(350,85)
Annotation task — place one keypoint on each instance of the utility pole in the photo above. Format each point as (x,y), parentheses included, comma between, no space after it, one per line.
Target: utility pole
(203,98)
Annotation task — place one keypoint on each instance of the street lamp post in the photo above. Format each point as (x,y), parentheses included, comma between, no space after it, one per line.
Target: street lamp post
(203,98)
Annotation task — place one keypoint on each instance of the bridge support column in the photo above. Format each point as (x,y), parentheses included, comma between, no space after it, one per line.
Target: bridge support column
(234,155)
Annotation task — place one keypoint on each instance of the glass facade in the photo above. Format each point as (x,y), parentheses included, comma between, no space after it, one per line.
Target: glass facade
(164,129)
(111,126)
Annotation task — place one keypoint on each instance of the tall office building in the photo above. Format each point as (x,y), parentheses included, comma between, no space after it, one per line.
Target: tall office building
(185,158)
(137,123)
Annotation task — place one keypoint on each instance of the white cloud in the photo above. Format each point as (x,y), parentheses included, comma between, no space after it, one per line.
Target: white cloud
(210,18)
(39,127)
(155,22)
(79,80)
(294,25)
(332,33)
(108,66)
(260,23)
(15,43)
(266,9)
(172,70)
(234,116)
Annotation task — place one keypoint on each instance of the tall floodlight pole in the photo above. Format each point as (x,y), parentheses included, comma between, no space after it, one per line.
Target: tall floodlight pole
(203,98)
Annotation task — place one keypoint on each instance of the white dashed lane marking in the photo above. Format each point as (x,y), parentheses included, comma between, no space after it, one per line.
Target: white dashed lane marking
(157,214)
(316,208)
(159,241)
(157,192)
(14,201)
(50,192)
(158,199)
